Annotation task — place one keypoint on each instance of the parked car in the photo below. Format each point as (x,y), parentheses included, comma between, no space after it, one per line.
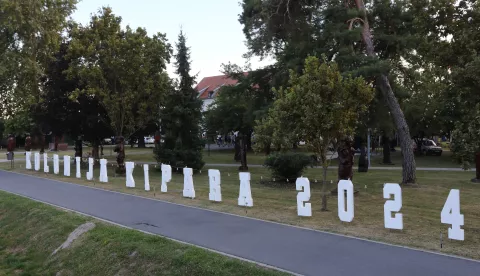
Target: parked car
(428,147)
(149,140)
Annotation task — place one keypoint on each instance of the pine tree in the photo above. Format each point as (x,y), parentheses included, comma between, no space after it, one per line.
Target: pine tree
(181,117)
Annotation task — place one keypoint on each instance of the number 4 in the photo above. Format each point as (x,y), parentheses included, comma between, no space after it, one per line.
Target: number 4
(451,215)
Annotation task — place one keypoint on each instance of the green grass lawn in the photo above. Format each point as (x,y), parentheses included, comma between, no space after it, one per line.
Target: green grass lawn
(226,157)
(31,231)
(277,202)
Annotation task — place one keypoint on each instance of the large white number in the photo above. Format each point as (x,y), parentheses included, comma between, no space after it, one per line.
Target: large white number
(394,205)
(345,215)
(303,209)
(451,215)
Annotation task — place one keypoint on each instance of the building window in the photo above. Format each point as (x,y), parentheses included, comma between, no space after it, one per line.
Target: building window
(210,94)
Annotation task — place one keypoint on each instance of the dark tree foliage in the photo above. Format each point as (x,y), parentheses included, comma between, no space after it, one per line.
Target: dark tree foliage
(368,40)
(60,114)
(181,116)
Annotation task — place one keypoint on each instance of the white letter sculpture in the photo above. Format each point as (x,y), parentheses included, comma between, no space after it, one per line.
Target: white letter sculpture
(56,164)
(78,162)
(103,171)
(90,168)
(46,169)
(393,205)
(215,189)
(245,196)
(451,215)
(304,209)
(345,215)
(147,179)
(129,166)
(37,161)
(28,160)
(188,189)
(166,177)
(66,165)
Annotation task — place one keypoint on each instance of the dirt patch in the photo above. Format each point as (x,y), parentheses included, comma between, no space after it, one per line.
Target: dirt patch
(15,250)
(82,229)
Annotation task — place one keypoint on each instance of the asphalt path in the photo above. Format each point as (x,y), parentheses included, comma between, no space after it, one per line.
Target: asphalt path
(297,250)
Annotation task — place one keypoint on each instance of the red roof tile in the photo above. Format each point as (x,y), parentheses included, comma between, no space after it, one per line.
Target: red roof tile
(210,84)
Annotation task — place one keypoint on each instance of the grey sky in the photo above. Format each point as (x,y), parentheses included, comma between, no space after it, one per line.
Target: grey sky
(213,32)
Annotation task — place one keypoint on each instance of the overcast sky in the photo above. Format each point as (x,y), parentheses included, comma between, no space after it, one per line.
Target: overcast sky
(213,32)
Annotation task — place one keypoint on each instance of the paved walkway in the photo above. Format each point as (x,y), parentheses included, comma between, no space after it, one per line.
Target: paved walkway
(293,249)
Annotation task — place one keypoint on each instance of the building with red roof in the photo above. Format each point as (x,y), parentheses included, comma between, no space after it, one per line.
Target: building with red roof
(209,87)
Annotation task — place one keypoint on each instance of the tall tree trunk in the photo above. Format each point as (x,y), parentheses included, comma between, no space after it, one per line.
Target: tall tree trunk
(386,150)
(249,141)
(268,149)
(95,150)
(324,188)
(408,163)
(237,156)
(477,162)
(243,153)
(141,142)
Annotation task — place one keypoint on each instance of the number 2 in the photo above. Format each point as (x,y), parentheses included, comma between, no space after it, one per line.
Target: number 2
(393,205)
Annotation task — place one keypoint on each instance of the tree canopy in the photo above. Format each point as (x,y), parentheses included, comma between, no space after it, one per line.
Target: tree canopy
(121,67)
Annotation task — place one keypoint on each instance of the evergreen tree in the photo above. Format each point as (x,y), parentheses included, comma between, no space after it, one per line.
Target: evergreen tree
(181,117)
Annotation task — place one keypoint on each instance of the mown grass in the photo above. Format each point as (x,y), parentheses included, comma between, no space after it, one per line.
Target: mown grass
(277,202)
(31,231)
(225,156)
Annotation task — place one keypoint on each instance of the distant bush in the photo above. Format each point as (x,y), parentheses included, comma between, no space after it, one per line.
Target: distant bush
(287,165)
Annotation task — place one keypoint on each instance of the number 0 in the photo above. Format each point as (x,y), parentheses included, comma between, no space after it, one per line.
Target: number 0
(451,215)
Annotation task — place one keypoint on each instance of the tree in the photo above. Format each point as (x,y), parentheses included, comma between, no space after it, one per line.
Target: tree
(124,70)
(342,31)
(237,107)
(322,108)
(181,116)
(466,136)
(452,45)
(63,112)
(28,42)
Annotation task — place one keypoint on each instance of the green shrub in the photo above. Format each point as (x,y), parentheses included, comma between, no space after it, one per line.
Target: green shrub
(287,165)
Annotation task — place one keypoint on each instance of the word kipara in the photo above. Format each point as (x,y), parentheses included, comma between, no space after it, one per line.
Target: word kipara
(392,192)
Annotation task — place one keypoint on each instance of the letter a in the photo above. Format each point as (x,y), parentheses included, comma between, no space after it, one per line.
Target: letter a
(245,196)
(188,190)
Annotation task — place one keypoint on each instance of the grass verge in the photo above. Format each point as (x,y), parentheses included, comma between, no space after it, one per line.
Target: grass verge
(31,231)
